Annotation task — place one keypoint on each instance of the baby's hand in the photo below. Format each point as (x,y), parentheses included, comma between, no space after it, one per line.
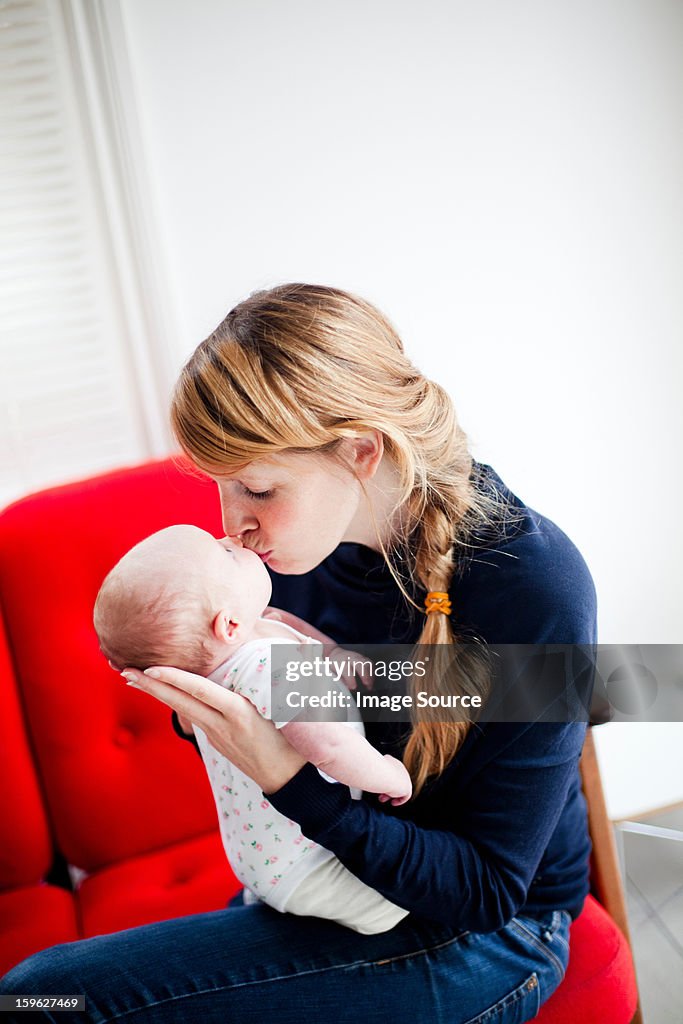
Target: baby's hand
(403,790)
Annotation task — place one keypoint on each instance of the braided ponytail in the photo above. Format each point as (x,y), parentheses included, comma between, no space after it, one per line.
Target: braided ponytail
(445,505)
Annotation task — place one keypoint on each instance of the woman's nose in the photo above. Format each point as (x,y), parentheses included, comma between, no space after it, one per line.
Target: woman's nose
(236,524)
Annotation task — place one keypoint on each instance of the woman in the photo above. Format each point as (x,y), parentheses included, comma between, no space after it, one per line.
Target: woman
(346,470)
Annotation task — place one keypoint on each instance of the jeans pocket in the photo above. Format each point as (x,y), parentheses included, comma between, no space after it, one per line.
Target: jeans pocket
(518,1006)
(549,935)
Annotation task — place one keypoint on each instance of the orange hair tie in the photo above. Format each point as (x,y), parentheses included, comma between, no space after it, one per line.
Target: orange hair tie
(437,601)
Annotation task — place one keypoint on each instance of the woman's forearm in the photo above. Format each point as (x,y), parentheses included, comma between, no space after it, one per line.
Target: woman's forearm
(476,876)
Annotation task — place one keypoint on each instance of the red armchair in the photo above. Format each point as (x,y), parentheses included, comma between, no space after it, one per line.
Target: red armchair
(97,778)
(108,784)
(33,914)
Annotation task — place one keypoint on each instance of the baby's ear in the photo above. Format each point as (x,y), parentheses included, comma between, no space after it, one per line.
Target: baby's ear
(224,628)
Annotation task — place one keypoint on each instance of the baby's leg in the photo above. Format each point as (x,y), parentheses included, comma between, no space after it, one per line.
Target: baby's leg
(332,892)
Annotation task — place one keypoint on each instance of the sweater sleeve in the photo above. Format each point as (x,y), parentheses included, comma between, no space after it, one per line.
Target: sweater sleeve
(475,876)
(175,722)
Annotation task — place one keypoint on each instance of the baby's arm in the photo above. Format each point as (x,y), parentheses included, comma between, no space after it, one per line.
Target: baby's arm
(346,756)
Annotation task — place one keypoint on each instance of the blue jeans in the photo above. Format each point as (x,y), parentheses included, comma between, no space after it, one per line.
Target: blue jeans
(252,965)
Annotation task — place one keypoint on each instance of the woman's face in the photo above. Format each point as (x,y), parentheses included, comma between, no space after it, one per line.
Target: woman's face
(292,509)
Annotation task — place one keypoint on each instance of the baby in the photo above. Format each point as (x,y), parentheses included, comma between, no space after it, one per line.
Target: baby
(183,598)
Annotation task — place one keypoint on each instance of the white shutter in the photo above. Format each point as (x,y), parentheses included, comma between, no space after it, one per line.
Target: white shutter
(70,401)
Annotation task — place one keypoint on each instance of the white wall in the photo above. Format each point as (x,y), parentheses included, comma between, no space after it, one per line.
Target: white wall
(503,180)
(641,767)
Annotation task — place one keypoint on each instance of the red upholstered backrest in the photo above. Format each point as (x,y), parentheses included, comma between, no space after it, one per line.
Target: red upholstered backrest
(118,782)
(25,850)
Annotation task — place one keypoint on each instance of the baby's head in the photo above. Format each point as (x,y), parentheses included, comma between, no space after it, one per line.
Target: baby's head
(180,598)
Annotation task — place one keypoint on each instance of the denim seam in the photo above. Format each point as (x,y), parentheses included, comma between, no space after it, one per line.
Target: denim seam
(508,1001)
(548,953)
(564,943)
(281,977)
(417,952)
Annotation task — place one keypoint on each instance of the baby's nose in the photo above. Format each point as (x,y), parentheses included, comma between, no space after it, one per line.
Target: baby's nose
(234,538)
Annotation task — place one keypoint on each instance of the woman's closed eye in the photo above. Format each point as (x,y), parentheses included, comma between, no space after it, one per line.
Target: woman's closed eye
(259,495)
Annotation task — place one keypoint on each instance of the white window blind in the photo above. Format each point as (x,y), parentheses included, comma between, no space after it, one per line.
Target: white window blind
(70,398)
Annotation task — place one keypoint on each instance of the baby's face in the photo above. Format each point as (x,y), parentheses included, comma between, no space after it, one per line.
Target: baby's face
(229,567)
(230,576)
(245,572)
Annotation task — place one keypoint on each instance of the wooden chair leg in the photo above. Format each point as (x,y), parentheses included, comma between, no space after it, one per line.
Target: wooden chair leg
(605,873)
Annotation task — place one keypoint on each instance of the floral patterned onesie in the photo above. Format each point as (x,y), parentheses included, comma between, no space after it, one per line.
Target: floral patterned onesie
(268,852)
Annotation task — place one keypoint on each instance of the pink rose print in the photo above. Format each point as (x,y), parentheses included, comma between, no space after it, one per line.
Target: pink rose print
(265,805)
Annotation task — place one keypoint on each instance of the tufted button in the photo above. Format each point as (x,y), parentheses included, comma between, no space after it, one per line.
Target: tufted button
(124,737)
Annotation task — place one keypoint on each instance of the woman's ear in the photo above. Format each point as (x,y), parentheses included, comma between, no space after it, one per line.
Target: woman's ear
(225,629)
(367,449)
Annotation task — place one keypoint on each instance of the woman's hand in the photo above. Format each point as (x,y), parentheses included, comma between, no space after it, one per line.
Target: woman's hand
(231,723)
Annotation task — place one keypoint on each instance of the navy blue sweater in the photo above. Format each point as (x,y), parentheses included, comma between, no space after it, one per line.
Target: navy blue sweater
(503,829)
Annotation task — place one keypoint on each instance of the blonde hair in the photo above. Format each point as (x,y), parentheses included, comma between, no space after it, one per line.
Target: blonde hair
(302,367)
(143,619)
